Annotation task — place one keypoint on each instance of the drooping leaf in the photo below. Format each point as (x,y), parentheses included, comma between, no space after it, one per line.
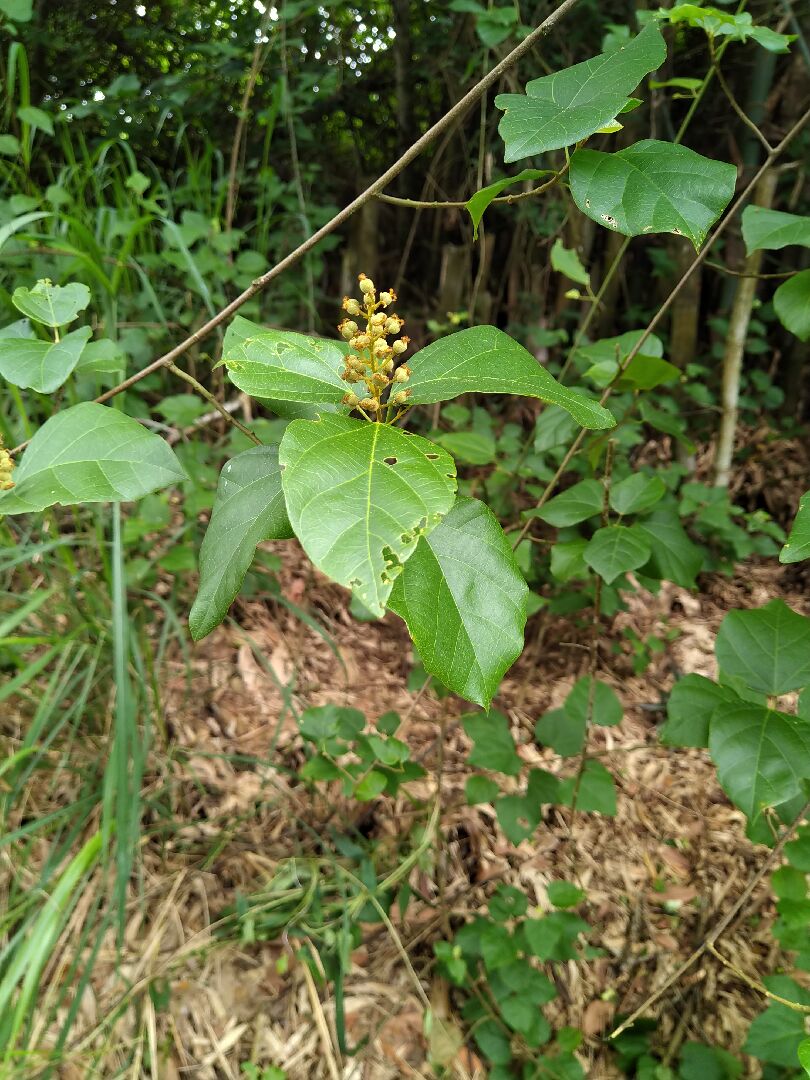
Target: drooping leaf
(36,118)
(51,305)
(652,187)
(561,109)
(41,365)
(485,360)
(797,547)
(493,745)
(463,599)
(637,493)
(90,453)
(673,555)
(249,508)
(791,302)
(767,648)
(739,26)
(691,705)
(284,367)
(576,504)
(567,261)
(762,756)
(615,549)
(478,203)
(359,497)
(764,229)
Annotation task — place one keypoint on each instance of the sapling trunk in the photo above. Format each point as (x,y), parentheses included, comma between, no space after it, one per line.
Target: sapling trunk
(738,322)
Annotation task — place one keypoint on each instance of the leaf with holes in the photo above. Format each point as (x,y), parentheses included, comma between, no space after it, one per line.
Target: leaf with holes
(652,187)
(41,365)
(615,549)
(485,360)
(561,109)
(51,305)
(90,453)
(797,547)
(768,648)
(791,302)
(761,756)
(771,230)
(463,599)
(360,496)
(249,508)
(284,368)
(478,203)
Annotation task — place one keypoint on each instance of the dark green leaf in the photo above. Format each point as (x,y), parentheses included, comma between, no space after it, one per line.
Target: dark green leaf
(692,702)
(471,447)
(615,549)
(372,785)
(776,1034)
(596,793)
(767,648)
(359,497)
(791,303)
(568,106)
(797,547)
(567,559)
(480,789)
(565,734)
(772,230)
(485,360)
(463,599)
(578,503)
(478,203)
(606,709)
(674,557)
(637,493)
(493,745)
(249,508)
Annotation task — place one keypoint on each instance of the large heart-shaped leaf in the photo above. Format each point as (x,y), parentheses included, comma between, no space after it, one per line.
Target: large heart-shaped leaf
(249,508)
(561,109)
(762,756)
(771,230)
(692,702)
(360,496)
(282,366)
(767,648)
(652,187)
(463,599)
(615,549)
(791,302)
(41,365)
(90,453)
(52,305)
(797,547)
(484,359)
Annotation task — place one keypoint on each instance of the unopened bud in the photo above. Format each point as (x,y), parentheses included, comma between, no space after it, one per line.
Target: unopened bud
(401,397)
(366,286)
(6,466)
(379,379)
(351,399)
(393,324)
(388,366)
(387,297)
(402,374)
(370,404)
(351,306)
(400,346)
(347,329)
(360,341)
(382,349)
(378,319)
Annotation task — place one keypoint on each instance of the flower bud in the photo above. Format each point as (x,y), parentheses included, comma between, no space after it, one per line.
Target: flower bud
(377,319)
(351,399)
(401,397)
(370,404)
(379,379)
(366,286)
(387,297)
(351,306)
(347,329)
(400,346)
(360,341)
(393,324)
(382,349)
(6,465)
(388,366)
(402,374)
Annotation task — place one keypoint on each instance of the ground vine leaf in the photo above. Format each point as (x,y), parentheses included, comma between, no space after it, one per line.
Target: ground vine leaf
(767,648)
(90,453)
(249,508)
(463,599)
(40,365)
(484,359)
(51,305)
(360,496)
(561,109)
(652,187)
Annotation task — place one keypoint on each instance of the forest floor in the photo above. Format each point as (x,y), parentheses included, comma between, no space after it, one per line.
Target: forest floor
(657,876)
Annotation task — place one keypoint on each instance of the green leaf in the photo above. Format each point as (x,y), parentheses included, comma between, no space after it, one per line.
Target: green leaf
(606,709)
(652,187)
(596,794)
(738,25)
(567,560)
(493,1043)
(102,357)
(566,261)
(578,503)
(282,366)
(637,493)
(797,547)
(772,230)
(568,106)
(36,118)
(674,557)
(360,495)
(51,305)
(767,648)
(41,365)
(615,549)
(10,145)
(564,894)
(480,789)
(616,349)
(690,707)
(803,1053)
(776,1034)
(372,785)
(565,734)
(478,203)
(472,447)
(182,409)
(493,745)
(463,599)
(762,756)
(17,10)
(90,453)
(485,360)
(699,1062)
(791,302)
(249,508)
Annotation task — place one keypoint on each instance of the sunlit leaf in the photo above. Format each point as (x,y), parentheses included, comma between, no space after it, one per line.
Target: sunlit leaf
(797,547)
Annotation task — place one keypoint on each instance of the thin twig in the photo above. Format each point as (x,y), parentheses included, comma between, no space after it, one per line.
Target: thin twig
(209,397)
(458,204)
(755,984)
(721,927)
(410,155)
(741,113)
(742,273)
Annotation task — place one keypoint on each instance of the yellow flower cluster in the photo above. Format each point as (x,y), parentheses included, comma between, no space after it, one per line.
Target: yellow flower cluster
(373,359)
(6,465)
